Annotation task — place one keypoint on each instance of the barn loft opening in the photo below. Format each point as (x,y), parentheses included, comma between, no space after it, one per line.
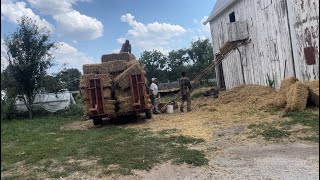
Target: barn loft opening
(232,17)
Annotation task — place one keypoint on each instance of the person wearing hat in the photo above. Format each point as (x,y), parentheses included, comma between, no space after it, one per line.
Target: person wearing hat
(153,95)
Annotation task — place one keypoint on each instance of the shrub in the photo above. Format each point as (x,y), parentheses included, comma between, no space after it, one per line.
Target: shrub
(78,98)
(73,110)
(8,110)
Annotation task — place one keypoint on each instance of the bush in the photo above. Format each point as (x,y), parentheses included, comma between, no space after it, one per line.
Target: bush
(78,98)
(73,110)
(8,110)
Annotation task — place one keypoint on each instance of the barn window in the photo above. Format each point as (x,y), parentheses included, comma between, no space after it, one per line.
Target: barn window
(232,17)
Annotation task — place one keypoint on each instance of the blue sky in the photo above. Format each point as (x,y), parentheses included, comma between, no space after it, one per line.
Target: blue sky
(86,29)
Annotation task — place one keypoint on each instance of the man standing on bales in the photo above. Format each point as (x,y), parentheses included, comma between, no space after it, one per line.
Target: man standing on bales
(126,47)
(185,89)
(153,95)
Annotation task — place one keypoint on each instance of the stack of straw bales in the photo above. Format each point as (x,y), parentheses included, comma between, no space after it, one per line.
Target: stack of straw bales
(114,72)
(123,79)
(117,56)
(293,95)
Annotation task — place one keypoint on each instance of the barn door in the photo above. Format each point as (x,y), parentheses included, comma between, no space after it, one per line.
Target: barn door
(96,97)
(221,81)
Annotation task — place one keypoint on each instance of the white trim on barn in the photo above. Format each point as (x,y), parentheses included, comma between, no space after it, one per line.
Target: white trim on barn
(284,40)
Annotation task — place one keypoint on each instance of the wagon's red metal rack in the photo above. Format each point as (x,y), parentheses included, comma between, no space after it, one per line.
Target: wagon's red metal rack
(97,102)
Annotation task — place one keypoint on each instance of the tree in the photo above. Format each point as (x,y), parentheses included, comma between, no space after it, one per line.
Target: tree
(51,84)
(176,64)
(70,78)
(29,58)
(154,63)
(201,54)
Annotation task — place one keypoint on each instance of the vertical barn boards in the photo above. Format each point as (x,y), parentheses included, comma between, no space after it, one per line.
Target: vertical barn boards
(303,16)
(267,54)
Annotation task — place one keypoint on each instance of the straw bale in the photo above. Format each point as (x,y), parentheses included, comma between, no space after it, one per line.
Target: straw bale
(82,83)
(125,104)
(108,101)
(297,97)
(313,87)
(115,75)
(106,79)
(117,56)
(109,105)
(280,100)
(84,94)
(286,84)
(107,67)
(92,69)
(123,92)
(107,93)
(125,100)
(123,80)
(87,106)
(113,66)
(131,63)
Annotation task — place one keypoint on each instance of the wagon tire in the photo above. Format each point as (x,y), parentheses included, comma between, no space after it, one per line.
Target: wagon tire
(148,114)
(97,121)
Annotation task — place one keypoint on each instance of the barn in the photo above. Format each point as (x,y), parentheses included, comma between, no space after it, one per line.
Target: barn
(261,40)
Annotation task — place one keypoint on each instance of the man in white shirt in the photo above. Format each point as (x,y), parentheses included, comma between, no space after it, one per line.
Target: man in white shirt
(154,95)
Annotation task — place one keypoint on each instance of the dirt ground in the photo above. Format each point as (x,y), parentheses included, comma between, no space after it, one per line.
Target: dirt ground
(231,154)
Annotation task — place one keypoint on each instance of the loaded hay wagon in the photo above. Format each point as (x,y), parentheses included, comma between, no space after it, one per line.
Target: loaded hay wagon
(116,87)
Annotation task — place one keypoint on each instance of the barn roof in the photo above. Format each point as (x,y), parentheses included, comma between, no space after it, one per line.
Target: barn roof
(218,8)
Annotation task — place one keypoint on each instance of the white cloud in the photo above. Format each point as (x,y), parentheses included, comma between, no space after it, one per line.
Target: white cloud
(82,27)
(52,7)
(70,22)
(121,40)
(70,57)
(13,11)
(200,31)
(65,56)
(207,26)
(151,36)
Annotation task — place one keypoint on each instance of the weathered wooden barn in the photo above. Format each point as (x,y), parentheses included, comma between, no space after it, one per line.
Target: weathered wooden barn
(265,38)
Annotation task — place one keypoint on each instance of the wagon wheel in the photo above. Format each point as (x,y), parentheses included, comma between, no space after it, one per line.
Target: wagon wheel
(148,114)
(97,121)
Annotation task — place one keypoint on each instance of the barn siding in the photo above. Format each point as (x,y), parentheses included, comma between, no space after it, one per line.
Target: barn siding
(304,26)
(269,52)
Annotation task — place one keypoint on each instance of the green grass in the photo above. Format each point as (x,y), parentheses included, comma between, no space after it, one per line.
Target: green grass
(304,118)
(41,142)
(273,110)
(273,132)
(267,131)
(168,131)
(277,130)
